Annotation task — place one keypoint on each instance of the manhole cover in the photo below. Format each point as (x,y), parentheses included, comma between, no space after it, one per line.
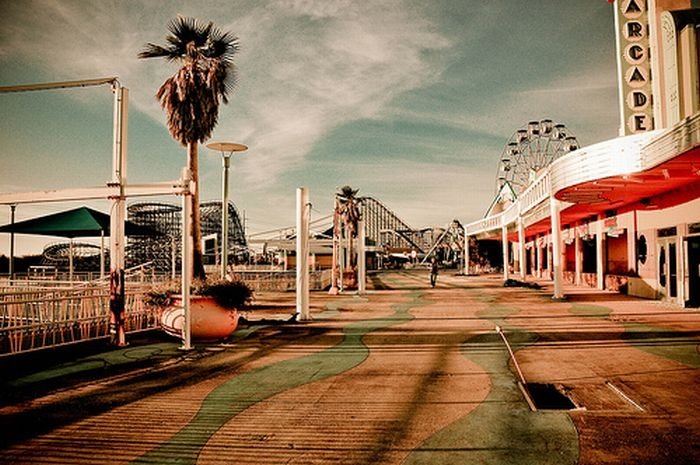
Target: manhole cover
(549,397)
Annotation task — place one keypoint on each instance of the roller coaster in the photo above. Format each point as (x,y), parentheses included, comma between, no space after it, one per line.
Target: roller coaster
(163,250)
(386,234)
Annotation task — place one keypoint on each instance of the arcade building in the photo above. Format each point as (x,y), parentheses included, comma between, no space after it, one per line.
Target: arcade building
(622,214)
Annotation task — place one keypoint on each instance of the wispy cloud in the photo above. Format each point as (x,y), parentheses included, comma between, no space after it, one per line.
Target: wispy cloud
(305,67)
(445,82)
(335,63)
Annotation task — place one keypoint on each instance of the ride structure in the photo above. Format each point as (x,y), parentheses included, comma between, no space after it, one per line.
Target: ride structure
(529,151)
(163,250)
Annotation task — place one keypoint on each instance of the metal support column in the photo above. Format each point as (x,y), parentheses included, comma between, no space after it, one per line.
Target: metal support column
(521,248)
(466,252)
(226,158)
(504,240)
(11,270)
(302,287)
(117,216)
(600,254)
(557,273)
(361,257)
(335,264)
(186,262)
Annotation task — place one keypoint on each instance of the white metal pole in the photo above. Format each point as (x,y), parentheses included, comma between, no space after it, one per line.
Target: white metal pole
(70,260)
(336,255)
(466,252)
(504,240)
(600,253)
(341,259)
(12,244)
(224,216)
(118,214)
(173,258)
(521,248)
(102,254)
(186,262)
(227,149)
(361,257)
(557,273)
(302,287)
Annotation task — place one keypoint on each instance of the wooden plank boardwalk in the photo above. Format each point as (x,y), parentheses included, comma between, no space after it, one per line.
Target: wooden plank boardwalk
(405,374)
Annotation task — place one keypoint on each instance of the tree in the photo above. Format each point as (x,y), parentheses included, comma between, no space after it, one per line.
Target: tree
(191,97)
(348,212)
(349,209)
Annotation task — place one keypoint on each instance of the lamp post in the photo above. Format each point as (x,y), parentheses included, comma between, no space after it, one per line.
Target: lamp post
(227,149)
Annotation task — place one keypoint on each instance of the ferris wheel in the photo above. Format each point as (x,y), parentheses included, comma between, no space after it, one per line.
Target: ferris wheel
(531,148)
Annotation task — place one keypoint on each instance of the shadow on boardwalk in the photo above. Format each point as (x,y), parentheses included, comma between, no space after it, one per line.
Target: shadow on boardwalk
(405,374)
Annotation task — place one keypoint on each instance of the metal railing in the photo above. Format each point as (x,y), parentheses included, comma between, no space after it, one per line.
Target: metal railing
(272,280)
(40,317)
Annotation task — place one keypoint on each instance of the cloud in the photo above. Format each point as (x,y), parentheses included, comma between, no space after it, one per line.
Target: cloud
(441,81)
(583,99)
(333,63)
(305,67)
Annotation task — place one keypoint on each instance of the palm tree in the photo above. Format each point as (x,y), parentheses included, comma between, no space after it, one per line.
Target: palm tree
(348,208)
(348,211)
(191,96)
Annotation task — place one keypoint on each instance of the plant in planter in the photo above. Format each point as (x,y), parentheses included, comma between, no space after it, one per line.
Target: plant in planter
(214,307)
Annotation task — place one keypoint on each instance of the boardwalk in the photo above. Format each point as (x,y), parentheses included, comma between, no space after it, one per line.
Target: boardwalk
(403,375)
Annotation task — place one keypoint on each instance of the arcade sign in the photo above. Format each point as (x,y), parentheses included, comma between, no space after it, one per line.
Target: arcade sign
(635,76)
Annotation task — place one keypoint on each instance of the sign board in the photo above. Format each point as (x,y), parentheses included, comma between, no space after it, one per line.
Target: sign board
(632,23)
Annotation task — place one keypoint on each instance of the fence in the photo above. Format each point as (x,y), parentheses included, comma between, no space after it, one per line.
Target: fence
(261,280)
(33,318)
(38,314)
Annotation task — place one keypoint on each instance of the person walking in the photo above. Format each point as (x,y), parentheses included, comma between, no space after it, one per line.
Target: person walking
(433,272)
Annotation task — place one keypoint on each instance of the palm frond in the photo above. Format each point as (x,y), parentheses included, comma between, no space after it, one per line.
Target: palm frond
(222,45)
(192,96)
(154,51)
(347,193)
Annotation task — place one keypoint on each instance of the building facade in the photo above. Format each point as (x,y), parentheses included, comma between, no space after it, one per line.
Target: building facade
(623,214)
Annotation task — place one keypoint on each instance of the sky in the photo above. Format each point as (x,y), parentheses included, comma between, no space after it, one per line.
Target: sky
(411,102)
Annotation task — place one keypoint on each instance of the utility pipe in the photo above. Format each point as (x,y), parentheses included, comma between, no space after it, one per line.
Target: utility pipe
(512,356)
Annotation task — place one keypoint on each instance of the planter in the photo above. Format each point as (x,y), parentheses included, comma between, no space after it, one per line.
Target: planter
(209,320)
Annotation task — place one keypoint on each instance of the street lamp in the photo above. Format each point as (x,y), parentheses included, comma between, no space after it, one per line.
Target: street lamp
(227,149)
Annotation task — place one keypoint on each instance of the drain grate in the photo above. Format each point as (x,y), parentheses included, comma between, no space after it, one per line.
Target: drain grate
(549,397)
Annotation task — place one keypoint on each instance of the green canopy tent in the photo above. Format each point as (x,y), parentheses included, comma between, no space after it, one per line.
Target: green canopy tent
(78,222)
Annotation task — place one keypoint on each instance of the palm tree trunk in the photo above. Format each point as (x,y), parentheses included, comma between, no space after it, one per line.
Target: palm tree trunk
(197,261)
(351,256)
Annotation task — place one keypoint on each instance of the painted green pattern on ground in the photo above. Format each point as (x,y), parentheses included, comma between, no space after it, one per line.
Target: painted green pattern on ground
(502,430)
(247,389)
(114,358)
(662,342)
